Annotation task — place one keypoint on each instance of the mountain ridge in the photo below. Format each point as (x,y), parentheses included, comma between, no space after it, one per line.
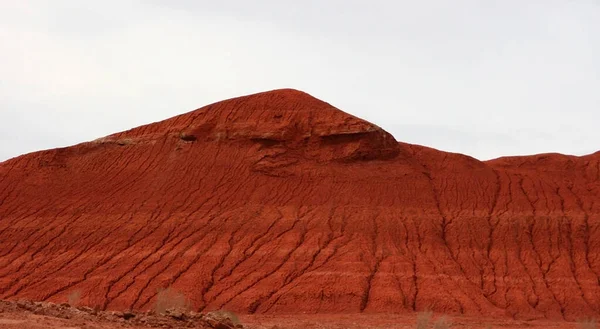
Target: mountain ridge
(280,203)
(289,93)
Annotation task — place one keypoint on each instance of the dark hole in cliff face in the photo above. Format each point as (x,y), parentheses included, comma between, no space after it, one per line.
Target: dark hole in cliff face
(266,142)
(343,138)
(188,137)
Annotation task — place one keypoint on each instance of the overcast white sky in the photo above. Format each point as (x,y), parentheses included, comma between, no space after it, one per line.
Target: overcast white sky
(485,78)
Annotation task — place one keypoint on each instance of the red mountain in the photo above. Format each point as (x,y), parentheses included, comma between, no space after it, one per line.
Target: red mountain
(279,202)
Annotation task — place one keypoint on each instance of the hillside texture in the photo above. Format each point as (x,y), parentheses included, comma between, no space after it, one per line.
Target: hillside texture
(280,203)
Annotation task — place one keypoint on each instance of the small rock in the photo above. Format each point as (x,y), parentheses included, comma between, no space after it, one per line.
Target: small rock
(220,323)
(176,314)
(86,309)
(211,322)
(128,315)
(23,304)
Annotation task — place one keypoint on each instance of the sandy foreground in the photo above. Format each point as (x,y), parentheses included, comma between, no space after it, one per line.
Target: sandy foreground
(390,321)
(25,315)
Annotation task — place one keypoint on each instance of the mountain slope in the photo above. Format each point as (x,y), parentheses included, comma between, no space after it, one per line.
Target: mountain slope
(278,202)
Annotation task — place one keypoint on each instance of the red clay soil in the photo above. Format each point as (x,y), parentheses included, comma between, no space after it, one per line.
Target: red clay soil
(280,203)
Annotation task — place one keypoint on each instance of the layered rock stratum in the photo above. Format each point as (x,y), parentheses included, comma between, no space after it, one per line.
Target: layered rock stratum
(280,203)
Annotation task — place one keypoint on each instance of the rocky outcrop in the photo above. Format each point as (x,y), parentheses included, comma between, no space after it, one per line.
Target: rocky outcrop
(280,203)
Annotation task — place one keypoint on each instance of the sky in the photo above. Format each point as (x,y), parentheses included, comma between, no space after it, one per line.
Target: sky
(483,78)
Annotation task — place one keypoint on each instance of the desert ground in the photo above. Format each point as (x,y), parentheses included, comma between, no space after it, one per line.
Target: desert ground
(29,315)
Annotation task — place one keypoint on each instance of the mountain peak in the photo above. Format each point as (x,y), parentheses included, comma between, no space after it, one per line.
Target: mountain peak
(286,118)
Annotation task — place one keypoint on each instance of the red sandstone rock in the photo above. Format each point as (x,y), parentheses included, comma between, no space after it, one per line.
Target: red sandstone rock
(280,203)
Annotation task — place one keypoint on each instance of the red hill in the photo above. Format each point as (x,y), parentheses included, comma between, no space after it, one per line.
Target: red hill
(280,203)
